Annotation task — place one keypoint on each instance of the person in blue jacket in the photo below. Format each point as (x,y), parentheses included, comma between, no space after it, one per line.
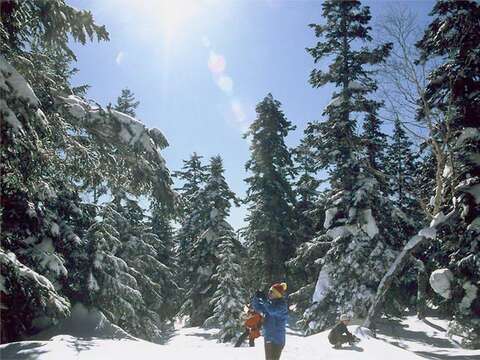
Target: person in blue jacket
(275,312)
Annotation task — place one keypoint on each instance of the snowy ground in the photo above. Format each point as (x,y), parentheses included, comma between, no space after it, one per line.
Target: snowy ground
(426,338)
(414,340)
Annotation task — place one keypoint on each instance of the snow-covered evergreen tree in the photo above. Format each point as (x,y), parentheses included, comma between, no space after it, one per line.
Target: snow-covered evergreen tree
(309,217)
(401,169)
(216,197)
(230,297)
(121,272)
(126,103)
(192,216)
(161,226)
(193,175)
(362,229)
(375,142)
(306,189)
(270,231)
(454,90)
(55,145)
(39,206)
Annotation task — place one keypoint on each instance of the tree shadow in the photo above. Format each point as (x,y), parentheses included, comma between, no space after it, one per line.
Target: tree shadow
(22,351)
(81,344)
(435,326)
(203,335)
(392,328)
(352,348)
(442,348)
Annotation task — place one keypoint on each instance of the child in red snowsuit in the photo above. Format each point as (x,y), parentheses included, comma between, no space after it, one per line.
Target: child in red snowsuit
(252,323)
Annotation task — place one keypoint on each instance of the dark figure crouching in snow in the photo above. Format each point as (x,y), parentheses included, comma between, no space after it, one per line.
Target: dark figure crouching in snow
(340,335)
(275,311)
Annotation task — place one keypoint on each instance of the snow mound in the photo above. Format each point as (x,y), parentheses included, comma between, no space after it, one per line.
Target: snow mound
(440,281)
(84,323)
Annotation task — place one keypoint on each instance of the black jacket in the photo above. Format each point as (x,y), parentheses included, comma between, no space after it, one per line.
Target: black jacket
(337,332)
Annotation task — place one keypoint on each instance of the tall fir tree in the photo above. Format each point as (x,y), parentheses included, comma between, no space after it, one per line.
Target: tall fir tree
(454,90)
(361,227)
(192,175)
(126,103)
(229,297)
(270,231)
(375,142)
(401,169)
(161,225)
(306,210)
(216,197)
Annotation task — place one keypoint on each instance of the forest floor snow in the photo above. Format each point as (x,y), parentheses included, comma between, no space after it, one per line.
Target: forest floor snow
(405,339)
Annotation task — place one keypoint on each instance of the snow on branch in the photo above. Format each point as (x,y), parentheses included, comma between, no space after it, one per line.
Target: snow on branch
(41,289)
(16,97)
(414,242)
(115,126)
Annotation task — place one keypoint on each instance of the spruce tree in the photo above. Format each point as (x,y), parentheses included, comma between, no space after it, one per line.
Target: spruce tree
(401,169)
(375,142)
(126,103)
(306,210)
(40,208)
(193,175)
(270,231)
(161,225)
(454,90)
(55,144)
(215,197)
(229,297)
(362,229)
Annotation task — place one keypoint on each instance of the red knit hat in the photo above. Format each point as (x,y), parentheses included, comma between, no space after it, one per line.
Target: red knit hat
(278,290)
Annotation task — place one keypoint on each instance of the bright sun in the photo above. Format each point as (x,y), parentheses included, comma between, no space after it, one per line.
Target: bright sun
(169,17)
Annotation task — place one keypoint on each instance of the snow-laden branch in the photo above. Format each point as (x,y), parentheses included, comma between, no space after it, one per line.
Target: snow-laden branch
(423,235)
(115,126)
(16,97)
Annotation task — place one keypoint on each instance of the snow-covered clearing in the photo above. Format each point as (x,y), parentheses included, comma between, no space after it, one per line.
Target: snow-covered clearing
(426,338)
(414,339)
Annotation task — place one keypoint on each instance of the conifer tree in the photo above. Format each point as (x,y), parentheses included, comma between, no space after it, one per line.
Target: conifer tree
(361,229)
(270,230)
(375,142)
(307,213)
(161,226)
(126,103)
(216,197)
(401,169)
(229,297)
(54,145)
(454,90)
(306,189)
(39,207)
(192,213)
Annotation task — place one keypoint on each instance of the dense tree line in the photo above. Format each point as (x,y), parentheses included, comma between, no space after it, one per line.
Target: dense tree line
(355,218)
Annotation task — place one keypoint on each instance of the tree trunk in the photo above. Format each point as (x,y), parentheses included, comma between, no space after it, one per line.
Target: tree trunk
(422,281)
(375,309)
(414,243)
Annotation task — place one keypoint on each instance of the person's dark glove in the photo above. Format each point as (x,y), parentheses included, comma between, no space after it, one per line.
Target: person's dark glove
(259,294)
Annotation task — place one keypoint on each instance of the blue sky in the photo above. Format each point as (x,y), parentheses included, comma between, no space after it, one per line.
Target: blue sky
(198,67)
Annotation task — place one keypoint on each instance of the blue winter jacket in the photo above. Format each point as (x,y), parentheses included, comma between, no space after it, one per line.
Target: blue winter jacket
(275,314)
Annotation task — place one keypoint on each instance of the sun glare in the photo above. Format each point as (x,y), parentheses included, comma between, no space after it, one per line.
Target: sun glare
(169,17)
